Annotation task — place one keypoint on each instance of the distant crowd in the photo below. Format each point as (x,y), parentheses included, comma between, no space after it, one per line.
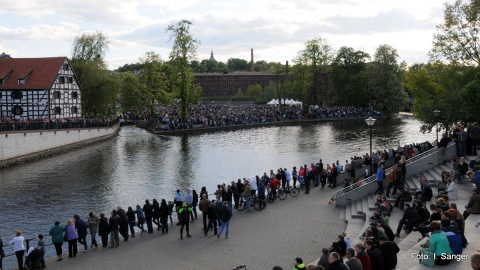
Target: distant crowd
(227,115)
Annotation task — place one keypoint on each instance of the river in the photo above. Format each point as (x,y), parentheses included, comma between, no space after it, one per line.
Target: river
(137,165)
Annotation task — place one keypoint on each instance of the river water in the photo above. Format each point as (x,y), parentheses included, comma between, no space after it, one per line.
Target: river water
(137,165)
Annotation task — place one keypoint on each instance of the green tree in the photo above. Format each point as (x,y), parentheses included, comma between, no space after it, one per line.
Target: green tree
(237,64)
(317,56)
(470,100)
(261,66)
(254,91)
(385,79)
(131,92)
(349,76)
(457,38)
(99,86)
(184,48)
(438,86)
(153,82)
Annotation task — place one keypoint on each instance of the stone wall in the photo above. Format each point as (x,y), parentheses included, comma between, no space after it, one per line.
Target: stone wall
(18,146)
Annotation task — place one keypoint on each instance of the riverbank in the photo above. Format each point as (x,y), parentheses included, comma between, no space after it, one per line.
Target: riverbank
(19,147)
(154,127)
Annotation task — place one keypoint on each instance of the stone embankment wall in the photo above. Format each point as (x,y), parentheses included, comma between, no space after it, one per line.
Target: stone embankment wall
(21,146)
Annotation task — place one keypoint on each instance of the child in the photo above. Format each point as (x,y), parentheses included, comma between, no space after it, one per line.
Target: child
(41,246)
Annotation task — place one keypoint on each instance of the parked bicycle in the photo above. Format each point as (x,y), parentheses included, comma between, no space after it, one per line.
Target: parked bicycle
(282,193)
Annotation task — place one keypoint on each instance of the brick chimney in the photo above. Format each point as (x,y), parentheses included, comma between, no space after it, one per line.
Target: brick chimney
(252,68)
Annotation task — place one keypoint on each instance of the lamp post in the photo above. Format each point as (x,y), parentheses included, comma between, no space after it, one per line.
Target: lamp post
(370,121)
(436,113)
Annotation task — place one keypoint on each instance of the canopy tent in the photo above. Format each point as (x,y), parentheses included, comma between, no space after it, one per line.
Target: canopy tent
(284,101)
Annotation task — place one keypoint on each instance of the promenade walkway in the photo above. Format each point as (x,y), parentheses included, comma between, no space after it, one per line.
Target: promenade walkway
(295,227)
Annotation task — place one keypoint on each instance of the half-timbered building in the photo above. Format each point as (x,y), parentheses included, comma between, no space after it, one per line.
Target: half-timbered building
(38,88)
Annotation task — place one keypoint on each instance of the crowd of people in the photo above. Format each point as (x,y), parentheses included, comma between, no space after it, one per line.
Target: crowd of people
(216,211)
(14,124)
(228,115)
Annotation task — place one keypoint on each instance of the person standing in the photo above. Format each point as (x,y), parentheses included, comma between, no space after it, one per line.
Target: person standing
(228,198)
(71,238)
(380,176)
(156,214)
(288,177)
(140,219)
(113,225)
(203,206)
(103,229)
(225,216)
(81,231)
(247,194)
(195,203)
(123,223)
(442,144)
(131,220)
(2,253)
(183,216)
(212,218)
(164,211)
(189,202)
(93,221)
(57,239)
(41,246)
(294,176)
(148,212)
(307,179)
(18,248)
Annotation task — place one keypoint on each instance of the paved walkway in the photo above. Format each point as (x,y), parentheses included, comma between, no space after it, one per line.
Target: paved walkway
(295,227)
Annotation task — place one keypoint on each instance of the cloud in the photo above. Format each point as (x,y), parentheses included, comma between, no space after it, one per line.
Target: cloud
(63,31)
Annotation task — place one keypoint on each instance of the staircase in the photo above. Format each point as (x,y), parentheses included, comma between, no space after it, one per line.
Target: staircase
(357,213)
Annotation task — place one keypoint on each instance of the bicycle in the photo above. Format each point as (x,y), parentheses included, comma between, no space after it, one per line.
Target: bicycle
(242,204)
(258,204)
(282,193)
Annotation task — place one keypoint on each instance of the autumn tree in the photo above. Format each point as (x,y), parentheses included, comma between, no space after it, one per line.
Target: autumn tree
(184,49)
(385,81)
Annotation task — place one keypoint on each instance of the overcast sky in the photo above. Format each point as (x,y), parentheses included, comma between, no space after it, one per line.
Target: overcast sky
(276,30)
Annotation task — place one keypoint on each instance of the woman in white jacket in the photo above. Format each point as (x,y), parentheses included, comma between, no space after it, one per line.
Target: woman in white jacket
(451,190)
(19,248)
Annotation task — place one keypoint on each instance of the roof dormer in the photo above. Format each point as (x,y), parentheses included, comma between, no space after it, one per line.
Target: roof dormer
(23,76)
(4,75)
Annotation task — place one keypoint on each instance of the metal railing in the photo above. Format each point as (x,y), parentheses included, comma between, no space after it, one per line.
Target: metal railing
(39,125)
(372,178)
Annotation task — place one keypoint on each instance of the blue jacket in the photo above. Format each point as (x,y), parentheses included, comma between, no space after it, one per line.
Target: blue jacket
(380,175)
(476,180)
(455,241)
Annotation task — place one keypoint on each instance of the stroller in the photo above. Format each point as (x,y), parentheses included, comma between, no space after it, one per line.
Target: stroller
(33,260)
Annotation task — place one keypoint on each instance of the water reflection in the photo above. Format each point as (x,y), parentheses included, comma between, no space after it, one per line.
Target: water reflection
(138,165)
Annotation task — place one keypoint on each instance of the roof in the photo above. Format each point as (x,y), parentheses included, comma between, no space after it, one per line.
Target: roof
(42,72)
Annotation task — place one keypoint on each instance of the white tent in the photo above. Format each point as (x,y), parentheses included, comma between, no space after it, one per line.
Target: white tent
(273,102)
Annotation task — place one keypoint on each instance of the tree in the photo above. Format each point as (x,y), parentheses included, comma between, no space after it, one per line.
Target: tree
(131,92)
(153,81)
(261,66)
(99,86)
(254,91)
(457,38)
(349,76)
(184,48)
(237,64)
(385,80)
(317,55)
(470,100)
(438,86)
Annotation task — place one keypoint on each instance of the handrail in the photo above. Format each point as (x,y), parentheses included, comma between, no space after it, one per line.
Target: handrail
(372,178)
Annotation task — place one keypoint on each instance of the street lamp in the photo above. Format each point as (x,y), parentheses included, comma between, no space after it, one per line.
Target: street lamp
(370,121)
(436,113)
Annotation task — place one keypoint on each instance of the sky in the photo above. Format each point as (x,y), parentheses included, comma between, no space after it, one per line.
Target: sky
(275,30)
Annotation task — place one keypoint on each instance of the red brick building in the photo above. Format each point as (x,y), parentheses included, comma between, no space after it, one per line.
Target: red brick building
(216,85)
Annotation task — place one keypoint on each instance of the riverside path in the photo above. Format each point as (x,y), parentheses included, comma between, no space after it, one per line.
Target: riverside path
(295,227)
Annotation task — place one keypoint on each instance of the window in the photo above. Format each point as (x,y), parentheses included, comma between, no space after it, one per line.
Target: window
(21,81)
(58,110)
(17,94)
(1,94)
(56,95)
(65,66)
(17,110)
(74,109)
(74,94)
(2,81)
(70,79)
(61,79)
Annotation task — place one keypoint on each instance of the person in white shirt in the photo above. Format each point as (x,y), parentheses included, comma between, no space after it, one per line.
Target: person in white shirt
(19,248)
(288,176)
